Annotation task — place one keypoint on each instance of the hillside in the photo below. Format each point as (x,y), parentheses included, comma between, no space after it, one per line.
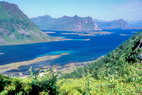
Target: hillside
(17,28)
(118,73)
(65,23)
(125,55)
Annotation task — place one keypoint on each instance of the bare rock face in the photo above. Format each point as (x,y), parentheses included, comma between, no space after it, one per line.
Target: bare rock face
(140,44)
(140,56)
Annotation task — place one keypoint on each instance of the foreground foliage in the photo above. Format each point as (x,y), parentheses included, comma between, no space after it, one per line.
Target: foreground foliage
(111,85)
(34,85)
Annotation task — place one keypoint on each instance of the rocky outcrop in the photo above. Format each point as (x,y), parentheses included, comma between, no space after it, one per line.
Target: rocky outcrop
(140,44)
(140,56)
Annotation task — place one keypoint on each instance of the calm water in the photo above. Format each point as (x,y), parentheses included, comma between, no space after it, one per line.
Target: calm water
(79,50)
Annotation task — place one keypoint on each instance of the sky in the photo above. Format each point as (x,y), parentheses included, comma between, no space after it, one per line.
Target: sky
(98,9)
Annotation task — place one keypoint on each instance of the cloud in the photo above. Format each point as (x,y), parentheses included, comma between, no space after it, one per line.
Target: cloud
(132,9)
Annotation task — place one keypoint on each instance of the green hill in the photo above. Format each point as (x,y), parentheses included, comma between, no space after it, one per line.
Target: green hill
(115,62)
(118,73)
(17,28)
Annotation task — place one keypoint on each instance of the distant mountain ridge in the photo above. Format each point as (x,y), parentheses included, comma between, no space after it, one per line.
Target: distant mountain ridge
(17,28)
(76,23)
(136,24)
(66,23)
(115,24)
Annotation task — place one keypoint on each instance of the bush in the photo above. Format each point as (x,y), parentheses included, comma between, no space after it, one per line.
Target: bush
(35,85)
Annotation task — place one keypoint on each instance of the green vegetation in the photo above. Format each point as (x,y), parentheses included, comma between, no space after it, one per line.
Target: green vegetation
(34,85)
(115,63)
(118,73)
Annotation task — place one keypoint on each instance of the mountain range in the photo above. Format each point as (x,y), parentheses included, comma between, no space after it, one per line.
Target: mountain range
(77,23)
(66,23)
(17,28)
(115,24)
(136,24)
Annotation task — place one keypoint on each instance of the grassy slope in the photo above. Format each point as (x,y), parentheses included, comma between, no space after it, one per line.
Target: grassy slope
(118,73)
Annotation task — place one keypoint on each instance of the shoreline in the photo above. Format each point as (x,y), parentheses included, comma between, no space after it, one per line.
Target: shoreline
(67,68)
(65,39)
(70,67)
(58,39)
(88,33)
(16,65)
(55,39)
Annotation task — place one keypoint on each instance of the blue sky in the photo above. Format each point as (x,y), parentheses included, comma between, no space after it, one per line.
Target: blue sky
(99,9)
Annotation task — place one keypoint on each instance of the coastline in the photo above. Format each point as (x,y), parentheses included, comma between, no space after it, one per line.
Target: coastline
(88,33)
(11,66)
(67,68)
(56,39)
(70,67)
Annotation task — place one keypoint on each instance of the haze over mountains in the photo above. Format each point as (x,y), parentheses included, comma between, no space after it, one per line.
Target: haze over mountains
(136,24)
(77,23)
(66,23)
(16,27)
(115,24)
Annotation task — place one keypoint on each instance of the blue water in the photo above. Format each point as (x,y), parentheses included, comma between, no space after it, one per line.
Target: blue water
(79,50)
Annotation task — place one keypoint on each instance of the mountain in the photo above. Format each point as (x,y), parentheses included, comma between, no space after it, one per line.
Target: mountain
(136,24)
(17,28)
(44,22)
(115,24)
(77,23)
(66,23)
